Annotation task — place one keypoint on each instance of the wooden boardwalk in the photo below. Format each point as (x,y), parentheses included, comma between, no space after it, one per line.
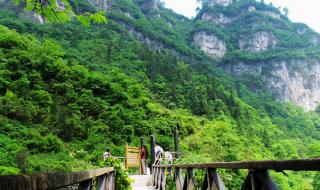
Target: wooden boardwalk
(141,182)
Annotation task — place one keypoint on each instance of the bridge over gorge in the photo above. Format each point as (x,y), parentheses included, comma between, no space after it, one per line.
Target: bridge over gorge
(258,177)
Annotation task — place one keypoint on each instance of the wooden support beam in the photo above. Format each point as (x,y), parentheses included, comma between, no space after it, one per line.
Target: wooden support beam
(259,180)
(214,180)
(152,151)
(176,143)
(159,179)
(189,182)
(111,181)
(178,179)
(205,183)
(163,179)
(155,176)
(86,185)
(102,182)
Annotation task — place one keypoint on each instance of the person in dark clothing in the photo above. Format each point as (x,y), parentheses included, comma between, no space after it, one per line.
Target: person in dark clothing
(144,156)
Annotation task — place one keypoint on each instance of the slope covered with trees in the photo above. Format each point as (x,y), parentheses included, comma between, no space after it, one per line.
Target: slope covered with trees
(67,91)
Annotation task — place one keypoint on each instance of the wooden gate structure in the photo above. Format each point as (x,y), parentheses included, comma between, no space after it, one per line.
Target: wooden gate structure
(133,158)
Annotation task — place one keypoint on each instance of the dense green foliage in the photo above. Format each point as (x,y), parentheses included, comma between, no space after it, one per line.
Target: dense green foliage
(122,180)
(67,91)
(59,11)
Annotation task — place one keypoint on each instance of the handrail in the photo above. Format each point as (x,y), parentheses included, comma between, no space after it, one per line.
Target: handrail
(104,176)
(278,165)
(258,176)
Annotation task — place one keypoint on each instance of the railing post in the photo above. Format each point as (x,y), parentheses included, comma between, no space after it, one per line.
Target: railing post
(164,179)
(214,180)
(189,182)
(142,141)
(259,179)
(111,181)
(102,182)
(155,174)
(178,179)
(85,185)
(176,143)
(152,153)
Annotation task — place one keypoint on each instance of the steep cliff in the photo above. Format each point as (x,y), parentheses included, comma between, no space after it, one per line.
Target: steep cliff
(294,80)
(258,39)
(210,44)
(257,42)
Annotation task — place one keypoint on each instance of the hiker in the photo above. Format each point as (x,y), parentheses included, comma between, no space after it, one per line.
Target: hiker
(158,150)
(106,153)
(168,157)
(144,156)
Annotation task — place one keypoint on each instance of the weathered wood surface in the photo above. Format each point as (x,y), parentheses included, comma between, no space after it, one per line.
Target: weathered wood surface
(295,165)
(48,181)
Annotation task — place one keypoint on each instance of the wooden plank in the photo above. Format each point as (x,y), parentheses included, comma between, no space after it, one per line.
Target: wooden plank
(191,179)
(178,179)
(215,182)
(164,179)
(295,165)
(49,180)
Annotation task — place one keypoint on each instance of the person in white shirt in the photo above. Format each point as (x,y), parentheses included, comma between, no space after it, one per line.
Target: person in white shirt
(158,149)
(106,153)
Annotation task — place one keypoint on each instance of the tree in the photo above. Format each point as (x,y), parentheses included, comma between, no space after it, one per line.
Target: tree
(59,11)
(285,11)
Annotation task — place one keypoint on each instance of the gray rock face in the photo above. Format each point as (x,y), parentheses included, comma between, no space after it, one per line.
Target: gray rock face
(156,45)
(272,14)
(258,42)
(219,2)
(216,18)
(151,8)
(210,44)
(100,4)
(296,81)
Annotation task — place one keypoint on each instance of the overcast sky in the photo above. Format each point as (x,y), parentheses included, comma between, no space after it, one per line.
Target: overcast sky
(306,11)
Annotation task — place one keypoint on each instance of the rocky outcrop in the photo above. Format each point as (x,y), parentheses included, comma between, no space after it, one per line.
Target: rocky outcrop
(272,14)
(210,44)
(296,81)
(101,4)
(258,42)
(216,18)
(154,44)
(252,9)
(151,8)
(219,2)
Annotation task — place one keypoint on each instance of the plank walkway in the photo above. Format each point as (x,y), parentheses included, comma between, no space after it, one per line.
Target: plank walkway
(141,182)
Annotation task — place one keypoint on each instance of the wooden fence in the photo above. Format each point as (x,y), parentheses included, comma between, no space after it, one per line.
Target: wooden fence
(258,177)
(101,179)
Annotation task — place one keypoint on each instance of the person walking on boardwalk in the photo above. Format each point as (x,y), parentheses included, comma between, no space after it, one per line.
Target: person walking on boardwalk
(106,153)
(144,156)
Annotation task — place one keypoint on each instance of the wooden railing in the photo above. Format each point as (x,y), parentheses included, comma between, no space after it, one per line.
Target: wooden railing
(258,177)
(101,179)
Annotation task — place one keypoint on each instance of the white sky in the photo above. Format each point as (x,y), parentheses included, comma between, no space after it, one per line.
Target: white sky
(306,11)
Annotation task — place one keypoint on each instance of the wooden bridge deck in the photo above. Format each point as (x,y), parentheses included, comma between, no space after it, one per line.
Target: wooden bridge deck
(141,182)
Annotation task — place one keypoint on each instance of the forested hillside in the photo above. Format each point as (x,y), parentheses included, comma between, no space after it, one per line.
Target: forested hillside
(68,90)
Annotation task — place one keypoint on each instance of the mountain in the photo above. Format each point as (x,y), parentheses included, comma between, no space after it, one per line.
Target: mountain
(67,90)
(262,42)
(250,38)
